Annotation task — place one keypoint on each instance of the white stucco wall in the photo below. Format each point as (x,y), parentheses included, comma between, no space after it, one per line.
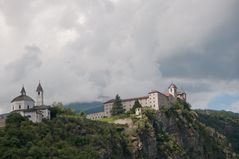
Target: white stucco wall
(33,116)
(128,105)
(155,100)
(39,99)
(107,108)
(95,116)
(22,104)
(46,113)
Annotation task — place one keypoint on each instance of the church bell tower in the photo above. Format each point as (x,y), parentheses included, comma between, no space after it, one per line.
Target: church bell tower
(172,89)
(39,101)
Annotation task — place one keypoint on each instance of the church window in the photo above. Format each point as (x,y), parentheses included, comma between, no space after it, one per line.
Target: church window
(38,93)
(19,106)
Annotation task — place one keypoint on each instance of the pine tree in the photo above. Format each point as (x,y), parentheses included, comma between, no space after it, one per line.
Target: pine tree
(136,105)
(117,106)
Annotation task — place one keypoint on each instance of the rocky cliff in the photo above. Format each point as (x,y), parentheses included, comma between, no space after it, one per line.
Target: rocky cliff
(177,133)
(171,133)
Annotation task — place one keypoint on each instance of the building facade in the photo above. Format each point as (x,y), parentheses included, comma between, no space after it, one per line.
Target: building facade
(27,107)
(153,100)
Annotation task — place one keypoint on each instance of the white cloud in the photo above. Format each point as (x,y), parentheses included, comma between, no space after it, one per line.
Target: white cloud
(234,107)
(93,48)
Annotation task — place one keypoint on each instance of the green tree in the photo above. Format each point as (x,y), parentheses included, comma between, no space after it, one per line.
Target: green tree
(14,120)
(136,105)
(57,109)
(57,104)
(117,106)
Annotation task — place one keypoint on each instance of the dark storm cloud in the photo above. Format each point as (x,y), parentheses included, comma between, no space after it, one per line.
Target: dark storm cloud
(216,58)
(196,87)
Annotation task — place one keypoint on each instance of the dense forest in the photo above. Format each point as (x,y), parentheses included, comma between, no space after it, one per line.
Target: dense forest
(172,133)
(227,123)
(62,137)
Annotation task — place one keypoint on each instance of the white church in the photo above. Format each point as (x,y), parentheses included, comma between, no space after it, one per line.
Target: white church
(27,107)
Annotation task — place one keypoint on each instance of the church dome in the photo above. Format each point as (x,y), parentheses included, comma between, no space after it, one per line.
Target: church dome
(22,98)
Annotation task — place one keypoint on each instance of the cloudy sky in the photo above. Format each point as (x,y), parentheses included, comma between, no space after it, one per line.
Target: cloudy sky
(88,50)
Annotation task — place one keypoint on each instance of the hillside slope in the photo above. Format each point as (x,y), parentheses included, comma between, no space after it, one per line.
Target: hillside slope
(227,123)
(173,133)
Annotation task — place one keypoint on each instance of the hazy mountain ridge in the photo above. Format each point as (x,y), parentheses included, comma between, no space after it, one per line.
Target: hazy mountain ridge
(86,107)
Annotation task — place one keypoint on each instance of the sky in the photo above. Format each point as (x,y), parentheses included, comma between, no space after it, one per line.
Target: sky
(91,50)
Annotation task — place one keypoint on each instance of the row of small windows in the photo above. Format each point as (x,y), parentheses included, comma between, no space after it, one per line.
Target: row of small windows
(20,107)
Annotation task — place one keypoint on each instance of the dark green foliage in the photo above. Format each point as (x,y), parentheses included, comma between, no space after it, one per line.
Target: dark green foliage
(227,123)
(58,109)
(136,105)
(174,133)
(14,120)
(61,138)
(117,106)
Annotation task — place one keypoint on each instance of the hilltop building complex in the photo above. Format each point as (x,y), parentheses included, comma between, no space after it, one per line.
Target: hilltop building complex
(154,100)
(27,107)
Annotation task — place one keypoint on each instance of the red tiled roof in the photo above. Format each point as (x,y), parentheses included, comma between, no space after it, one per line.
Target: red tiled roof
(167,94)
(154,91)
(128,99)
(109,101)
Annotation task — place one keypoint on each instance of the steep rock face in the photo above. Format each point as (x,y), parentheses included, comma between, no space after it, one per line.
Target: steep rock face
(176,133)
(148,144)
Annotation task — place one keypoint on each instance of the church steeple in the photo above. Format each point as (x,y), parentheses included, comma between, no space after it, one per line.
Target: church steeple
(172,89)
(39,90)
(23,92)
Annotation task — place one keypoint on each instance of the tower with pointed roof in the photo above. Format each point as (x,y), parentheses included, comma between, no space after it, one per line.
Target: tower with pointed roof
(27,107)
(23,92)
(22,101)
(39,99)
(172,89)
